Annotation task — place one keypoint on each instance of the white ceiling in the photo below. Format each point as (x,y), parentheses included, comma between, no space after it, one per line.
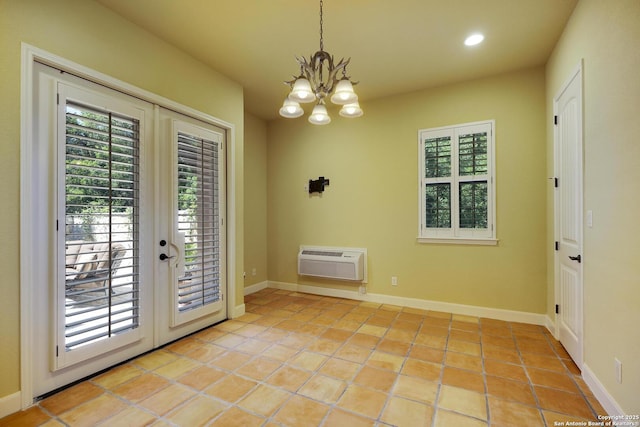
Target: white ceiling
(395,46)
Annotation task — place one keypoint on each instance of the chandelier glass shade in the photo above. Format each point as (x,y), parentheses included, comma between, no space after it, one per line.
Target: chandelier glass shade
(319,79)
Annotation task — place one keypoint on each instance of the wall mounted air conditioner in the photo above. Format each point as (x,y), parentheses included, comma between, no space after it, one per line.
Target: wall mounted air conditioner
(333,263)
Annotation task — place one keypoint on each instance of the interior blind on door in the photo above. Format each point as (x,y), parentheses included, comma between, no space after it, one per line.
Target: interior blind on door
(101,186)
(199,221)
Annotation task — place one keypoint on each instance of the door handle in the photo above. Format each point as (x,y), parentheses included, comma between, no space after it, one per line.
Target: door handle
(576,258)
(164,257)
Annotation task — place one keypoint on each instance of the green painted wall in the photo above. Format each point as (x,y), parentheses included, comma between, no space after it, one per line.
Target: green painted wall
(372,199)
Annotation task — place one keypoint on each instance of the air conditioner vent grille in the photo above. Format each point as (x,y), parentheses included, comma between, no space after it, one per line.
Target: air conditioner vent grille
(321,253)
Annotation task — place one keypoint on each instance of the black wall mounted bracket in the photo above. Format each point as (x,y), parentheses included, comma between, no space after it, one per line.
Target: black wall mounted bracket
(318,185)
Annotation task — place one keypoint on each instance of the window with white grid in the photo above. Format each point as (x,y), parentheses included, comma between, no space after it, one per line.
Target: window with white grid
(457,184)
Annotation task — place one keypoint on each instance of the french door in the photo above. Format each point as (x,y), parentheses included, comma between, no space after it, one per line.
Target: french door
(133,240)
(191,238)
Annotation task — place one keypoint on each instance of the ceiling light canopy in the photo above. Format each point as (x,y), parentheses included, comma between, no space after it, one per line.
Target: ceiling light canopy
(474,39)
(318,80)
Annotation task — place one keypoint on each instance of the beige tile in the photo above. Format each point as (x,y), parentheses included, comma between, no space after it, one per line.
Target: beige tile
(339,335)
(563,402)
(439,314)
(505,370)
(259,368)
(264,400)
(363,401)
(309,361)
(141,387)
(340,369)
(403,412)
(94,411)
(425,370)
(130,417)
(323,388)
(33,416)
(272,335)
(235,417)
(116,376)
(167,399)
(71,397)
(378,379)
(468,336)
(432,341)
(184,346)
(252,346)
(154,360)
(230,361)
(324,346)
(509,414)
(401,335)
(551,379)
(201,377)
(376,331)
(501,354)
(297,341)
(465,319)
(231,388)
(464,361)
(556,419)
(289,378)
(415,389)
(387,361)
(209,334)
(394,347)
(229,326)
(499,341)
(206,353)
(279,352)
(340,418)
(229,341)
(353,353)
(363,340)
(465,347)
(177,368)
(543,362)
(448,419)
(463,401)
(197,412)
(427,354)
(463,379)
(250,330)
(506,389)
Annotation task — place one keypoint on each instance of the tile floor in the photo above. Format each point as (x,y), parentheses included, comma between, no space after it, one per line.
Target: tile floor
(304,360)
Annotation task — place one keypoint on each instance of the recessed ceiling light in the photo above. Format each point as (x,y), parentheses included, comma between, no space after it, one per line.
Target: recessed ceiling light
(474,39)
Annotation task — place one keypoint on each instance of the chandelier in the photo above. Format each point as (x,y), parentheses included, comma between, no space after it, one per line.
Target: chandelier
(319,79)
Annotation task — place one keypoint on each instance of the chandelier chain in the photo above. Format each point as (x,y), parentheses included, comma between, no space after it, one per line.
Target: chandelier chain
(321,23)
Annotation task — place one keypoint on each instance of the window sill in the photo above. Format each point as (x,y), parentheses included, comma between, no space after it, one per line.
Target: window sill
(458,241)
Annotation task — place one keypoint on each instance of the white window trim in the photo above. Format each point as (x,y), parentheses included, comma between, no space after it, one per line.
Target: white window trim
(455,235)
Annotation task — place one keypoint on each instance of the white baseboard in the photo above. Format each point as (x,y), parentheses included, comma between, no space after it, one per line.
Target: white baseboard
(468,310)
(600,392)
(238,310)
(551,326)
(10,404)
(255,288)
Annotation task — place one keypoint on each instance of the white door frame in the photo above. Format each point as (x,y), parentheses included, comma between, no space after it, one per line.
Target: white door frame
(28,232)
(576,73)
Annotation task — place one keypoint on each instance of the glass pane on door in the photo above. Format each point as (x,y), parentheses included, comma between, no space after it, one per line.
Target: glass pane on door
(198,225)
(101,185)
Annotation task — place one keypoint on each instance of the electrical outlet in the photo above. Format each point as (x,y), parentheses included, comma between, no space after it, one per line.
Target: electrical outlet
(394,280)
(253,272)
(618,370)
